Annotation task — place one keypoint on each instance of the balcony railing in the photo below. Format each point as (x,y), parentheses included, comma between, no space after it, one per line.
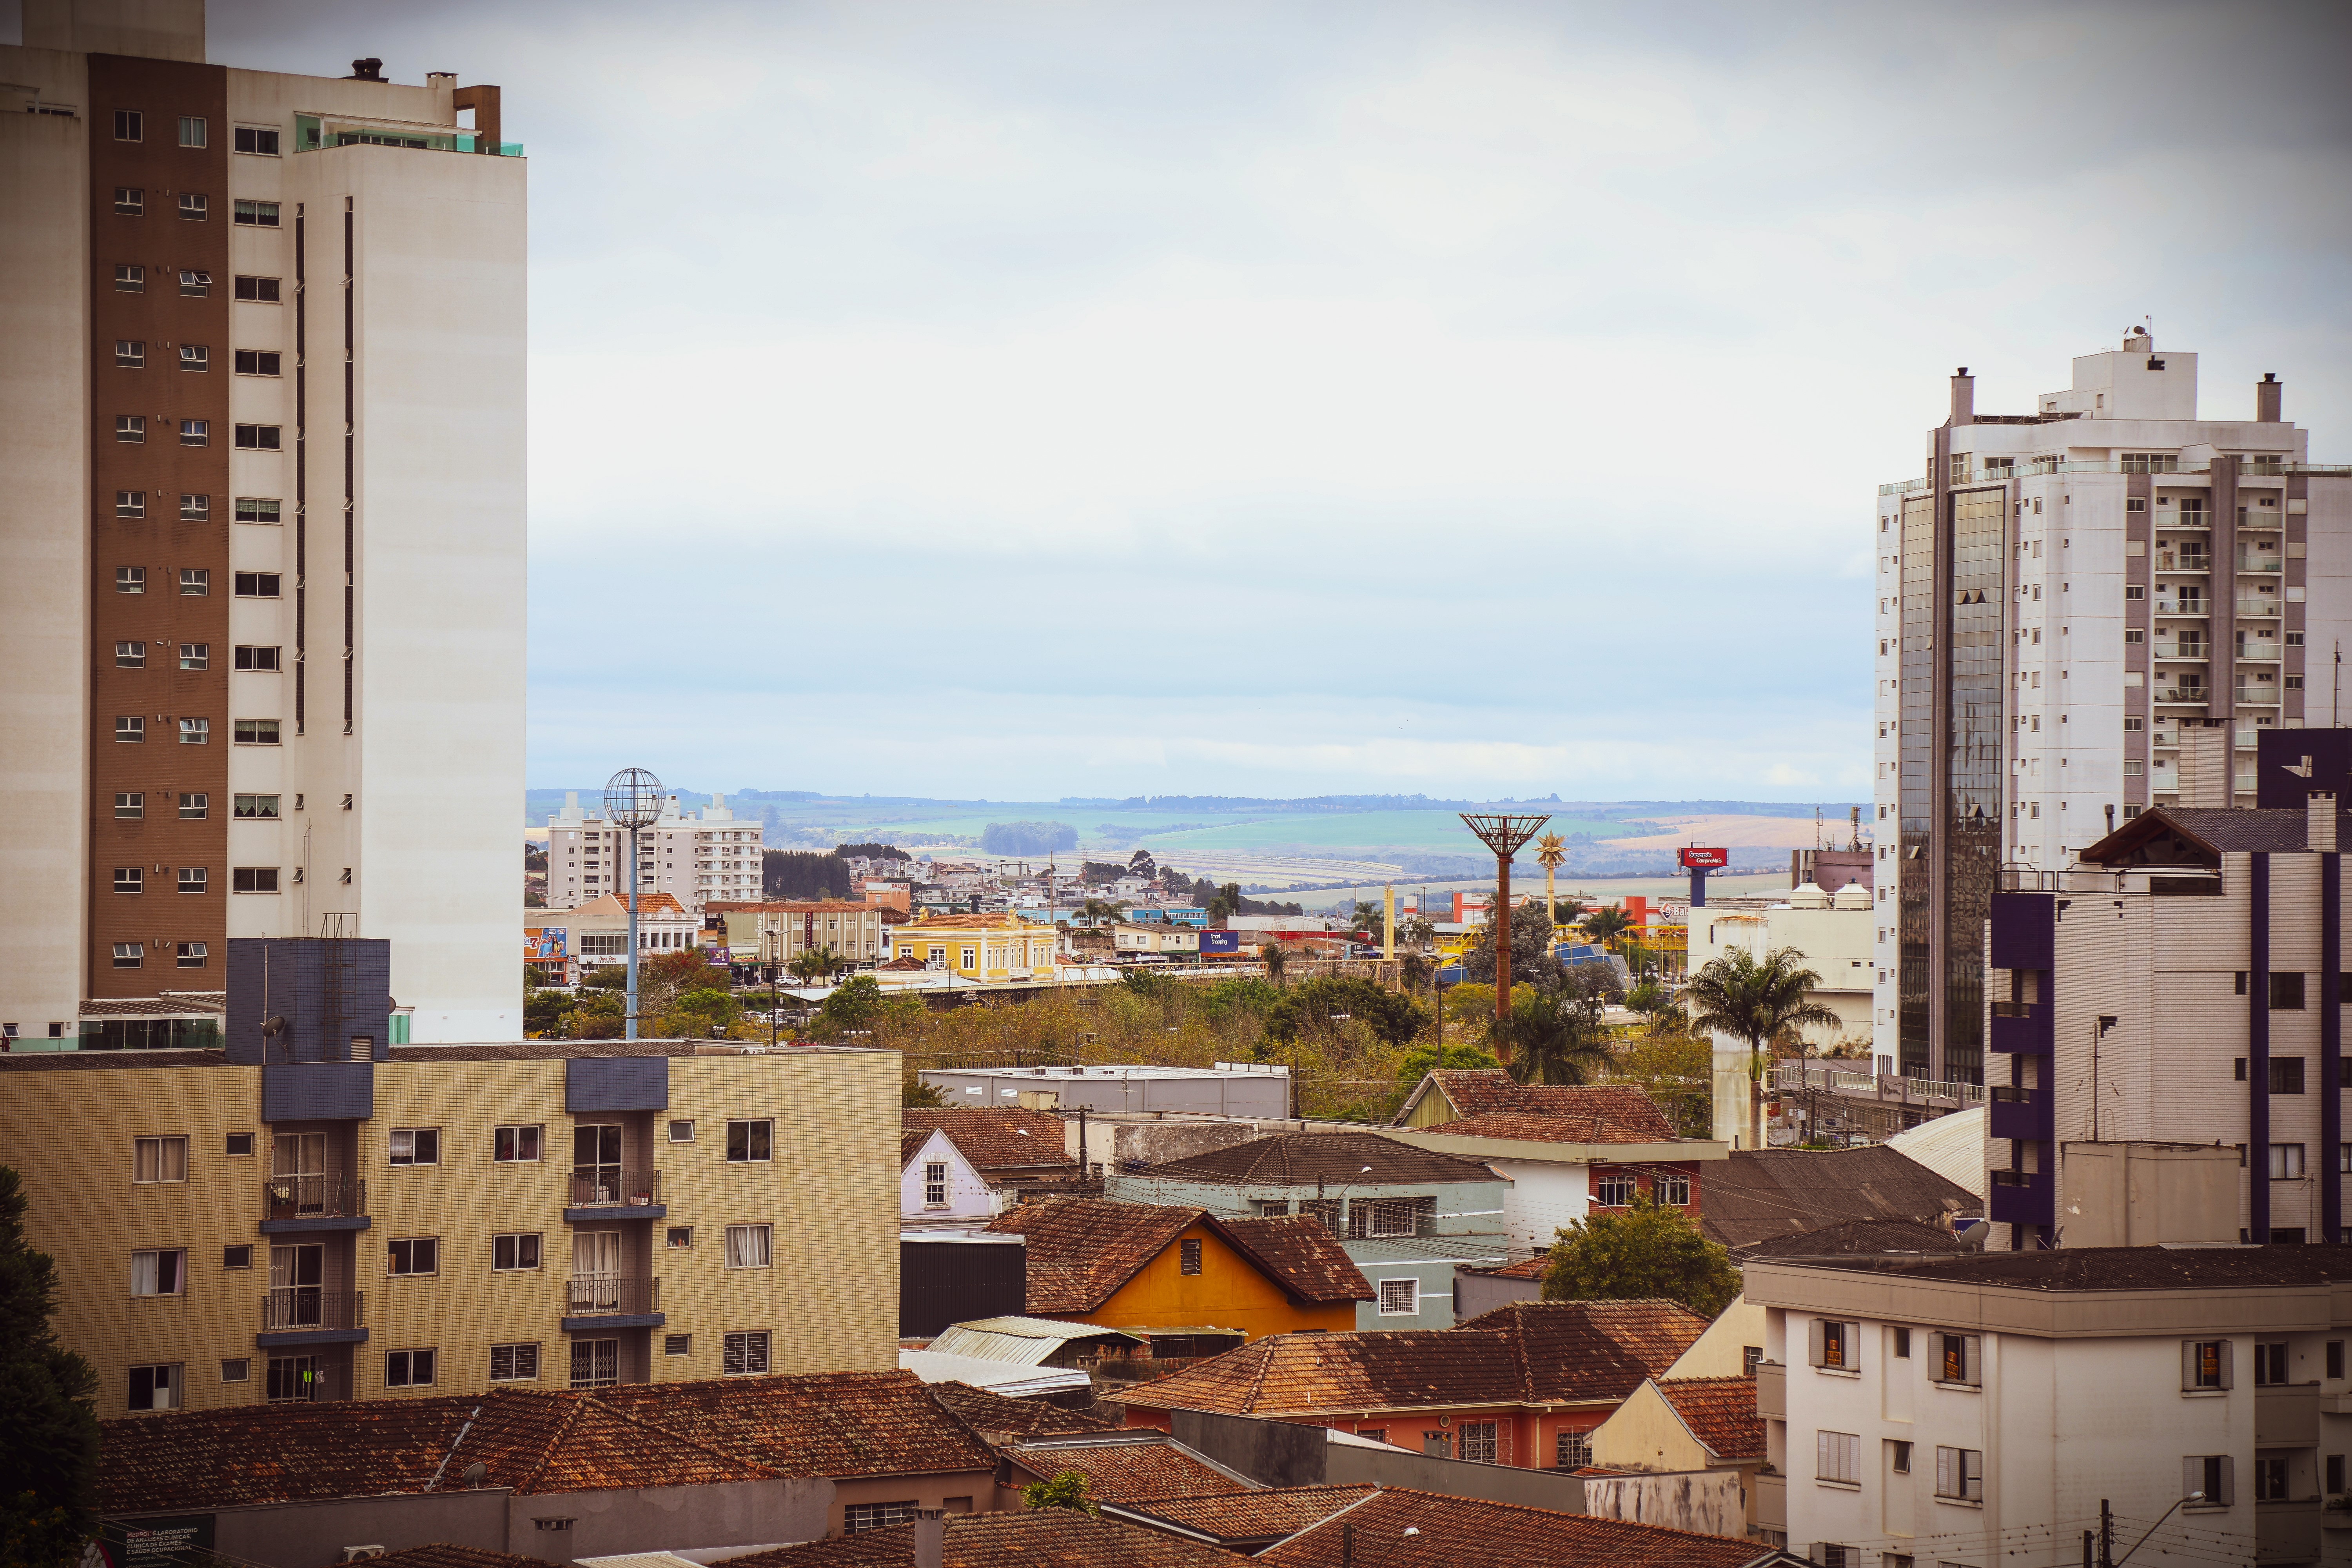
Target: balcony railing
(591,1294)
(2264,605)
(596,1185)
(313,1197)
(2181,694)
(2251,562)
(292,1307)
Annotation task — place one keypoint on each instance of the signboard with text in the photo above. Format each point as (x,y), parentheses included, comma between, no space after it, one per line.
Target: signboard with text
(1226,942)
(545,944)
(1694,858)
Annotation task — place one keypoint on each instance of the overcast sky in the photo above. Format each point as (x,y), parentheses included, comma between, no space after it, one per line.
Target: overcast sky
(1022,400)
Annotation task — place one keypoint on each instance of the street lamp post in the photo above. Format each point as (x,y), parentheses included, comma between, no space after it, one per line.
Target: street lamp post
(632,798)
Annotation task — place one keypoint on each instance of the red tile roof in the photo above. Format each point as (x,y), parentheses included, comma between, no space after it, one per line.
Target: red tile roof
(829,1424)
(1534,1267)
(1123,1469)
(1527,1353)
(441,1554)
(994,1138)
(992,1416)
(1240,1521)
(1081,1250)
(911,1143)
(1478,1091)
(1302,1254)
(1720,1413)
(1046,1537)
(1457,1531)
(996,920)
(1550,1127)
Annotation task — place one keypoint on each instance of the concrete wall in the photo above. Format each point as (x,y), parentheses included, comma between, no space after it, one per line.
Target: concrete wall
(1279,1454)
(314,1534)
(2138,1195)
(1475,1293)
(1710,1502)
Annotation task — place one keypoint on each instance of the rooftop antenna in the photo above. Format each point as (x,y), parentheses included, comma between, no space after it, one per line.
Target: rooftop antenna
(632,798)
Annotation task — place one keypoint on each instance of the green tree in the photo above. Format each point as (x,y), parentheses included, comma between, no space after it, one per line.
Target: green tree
(1755,1000)
(1313,1006)
(542,1012)
(608,977)
(49,1431)
(914,1094)
(1275,959)
(1677,1072)
(812,966)
(1368,919)
(705,1013)
(859,1003)
(1470,1007)
(1643,1252)
(1606,925)
(1067,1489)
(1423,1061)
(1554,1034)
(1532,962)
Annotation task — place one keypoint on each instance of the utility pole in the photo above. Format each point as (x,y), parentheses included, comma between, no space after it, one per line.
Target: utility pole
(2107,1535)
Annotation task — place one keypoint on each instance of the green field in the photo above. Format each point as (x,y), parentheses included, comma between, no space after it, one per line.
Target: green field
(1420,832)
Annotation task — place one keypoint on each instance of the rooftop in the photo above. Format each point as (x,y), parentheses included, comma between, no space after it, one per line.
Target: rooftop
(1048,1075)
(1081,1250)
(1126,1467)
(1554,1127)
(440,1555)
(2191,836)
(1761,1193)
(2115,1268)
(1300,1158)
(1045,1538)
(1245,1520)
(1480,1091)
(1720,1413)
(994,1138)
(1857,1236)
(1453,1530)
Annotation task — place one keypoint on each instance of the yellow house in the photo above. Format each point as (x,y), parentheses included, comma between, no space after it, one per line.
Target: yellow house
(1144,1266)
(1677,1425)
(1001,946)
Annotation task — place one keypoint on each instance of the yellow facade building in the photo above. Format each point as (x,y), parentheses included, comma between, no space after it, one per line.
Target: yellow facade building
(446,1219)
(1000,946)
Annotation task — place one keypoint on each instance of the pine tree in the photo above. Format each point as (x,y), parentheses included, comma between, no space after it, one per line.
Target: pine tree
(49,1431)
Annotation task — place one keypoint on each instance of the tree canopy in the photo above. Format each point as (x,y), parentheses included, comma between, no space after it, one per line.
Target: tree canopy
(1423,1061)
(1067,1489)
(1754,1000)
(1027,837)
(1554,1034)
(1532,962)
(1641,1252)
(1313,1006)
(804,874)
(49,1431)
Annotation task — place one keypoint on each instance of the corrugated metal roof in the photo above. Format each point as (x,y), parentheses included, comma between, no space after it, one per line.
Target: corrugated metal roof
(1021,1341)
(995,1377)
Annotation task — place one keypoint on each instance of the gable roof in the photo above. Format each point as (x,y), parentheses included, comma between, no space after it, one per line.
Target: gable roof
(1480,1091)
(1241,1520)
(1296,1159)
(1550,1127)
(1857,1236)
(827,1424)
(1040,1538)
(1125,1469)
(911,1143)
(2194,837)
(1527,1353)
(995,1137)
(1455,1531)
(1759,1192)
(1082,1250)
(1721,1412)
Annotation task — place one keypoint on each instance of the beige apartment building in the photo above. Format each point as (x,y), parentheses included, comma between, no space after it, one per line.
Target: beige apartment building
(544,1215)
(262,370)
(698,859)
(781,932)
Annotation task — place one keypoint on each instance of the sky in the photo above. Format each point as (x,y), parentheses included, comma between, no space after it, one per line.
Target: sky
(1482,399)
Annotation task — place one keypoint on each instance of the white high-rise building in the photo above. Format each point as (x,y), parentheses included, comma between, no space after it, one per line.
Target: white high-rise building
(703,858)
(2083,610)
(262,666)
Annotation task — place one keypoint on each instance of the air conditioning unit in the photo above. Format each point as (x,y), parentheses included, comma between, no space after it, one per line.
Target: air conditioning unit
(360,1553)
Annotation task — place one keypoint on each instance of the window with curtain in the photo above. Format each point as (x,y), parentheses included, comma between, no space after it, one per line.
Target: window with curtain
(747,1245)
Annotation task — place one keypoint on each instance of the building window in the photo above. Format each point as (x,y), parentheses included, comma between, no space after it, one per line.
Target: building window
(255,808)
(237,1369)
(237,1257)
(129,125)
(195,807)
(1960,1473)
(1574,1449)
(195,732)
(2270,1477)
(1671,1190)
(747,1245)
(1614,1190)
(858,1518)
(194,879)
(130,354)
(131,878)
(194,207)
(681,1131)
(1833,1344)
(2286,993)
(2287,1073)
(935,1184)
(1837,1456)
(130,579)
(196,284)
(595,1363)
(155,1387)
(258,437)
(257,214)
(159,1159)
(514,1143)
(131,655)
(2286,1161)
(131,429)
(677,1344)
(748,1140)
(408,1369)
(2335,1359)
(195,508)
(254,508)
(129,955)
(745,1353)
(1188,1255)
(256,732)
(415,1146)
(163,1272)
(2208,1479)
(416,1255)
(2270,1363)
(130,805)
(196,357)
(196,656)
(129,279)
(1400,1298)
(2334,1474)
(260,660)
(517,1252)
(129,201)
(193,131)
(195,583)
(514,1364)
(131,504)
(239,1144)
(259,362)
(681,1237)
(130,729)
(1956,1359)
(257,141)
(193,954)
(1479,1441)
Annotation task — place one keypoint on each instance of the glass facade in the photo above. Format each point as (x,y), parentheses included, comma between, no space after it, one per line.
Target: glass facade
(1916,746)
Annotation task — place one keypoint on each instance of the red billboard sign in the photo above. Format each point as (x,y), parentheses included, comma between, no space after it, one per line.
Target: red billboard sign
(1697,859)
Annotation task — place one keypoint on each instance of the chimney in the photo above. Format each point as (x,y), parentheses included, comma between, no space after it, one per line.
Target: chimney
(2266,398)
(931,1537)
(1964,397)
(2319,829)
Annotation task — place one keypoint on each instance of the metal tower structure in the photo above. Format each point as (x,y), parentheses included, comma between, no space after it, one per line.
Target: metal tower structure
(1503,834)
(632,798)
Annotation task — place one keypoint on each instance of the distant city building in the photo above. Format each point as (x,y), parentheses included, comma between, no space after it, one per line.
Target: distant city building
(1001,946)
(781,932)
(1173,940)
(1177,915)
(562,945)
(695,858)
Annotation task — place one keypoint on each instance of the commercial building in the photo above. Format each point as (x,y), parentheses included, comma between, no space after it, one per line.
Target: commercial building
(2074,604)
(1000,946)
(696,858)
(1954,1408)
(561,945)
(316,1214)
(1160,940)
(263,531)
(781,932)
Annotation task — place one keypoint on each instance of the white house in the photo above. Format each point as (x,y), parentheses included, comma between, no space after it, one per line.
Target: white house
(1958,1409)
(936,1185)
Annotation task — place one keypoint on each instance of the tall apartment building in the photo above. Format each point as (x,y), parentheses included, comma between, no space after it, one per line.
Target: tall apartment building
(2069,602)
(262,370)
(695,858)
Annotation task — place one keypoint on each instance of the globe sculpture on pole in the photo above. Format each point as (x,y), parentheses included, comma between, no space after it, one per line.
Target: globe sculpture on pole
(632,798)
(1504,833)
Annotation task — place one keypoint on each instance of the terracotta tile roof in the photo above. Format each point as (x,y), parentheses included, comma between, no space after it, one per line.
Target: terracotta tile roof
(1047,1538)
(1241,1520)
(994,921)
(1759,1192)
(1551,1127)
(1853,1237)
(259,1454)
(827,1424)
(1125,1470)
(442,1556)
(905,964)
(1476,1091)
(1294,1159)
(994,1138)
(1299,1252)
(1527,1353)
(1081,1250)
(1720,1413)
(911,1143)
(1534,1267)
(995,1415)
(1455,1531)
(801,906)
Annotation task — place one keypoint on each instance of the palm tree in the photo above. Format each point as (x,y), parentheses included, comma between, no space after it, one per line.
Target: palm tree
(1755,1000)
(1552,1035)
(812,965)
(1274,957)
(1606,925)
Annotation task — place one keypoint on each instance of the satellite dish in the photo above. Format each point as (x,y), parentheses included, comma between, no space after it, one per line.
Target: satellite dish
(1973,1236)
(478,1472)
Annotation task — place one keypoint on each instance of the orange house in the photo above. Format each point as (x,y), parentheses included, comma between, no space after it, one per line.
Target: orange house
(1145,1266)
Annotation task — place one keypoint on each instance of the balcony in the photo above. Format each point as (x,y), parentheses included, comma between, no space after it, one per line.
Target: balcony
(306,1315)
(1772,1502)
(2287,1531)
(293,1203)
(2258,693)
(2264,605)
(2183,561)
(612,1301)
(614,1192)
(2250,562)
(2018,1113)
(2180,694)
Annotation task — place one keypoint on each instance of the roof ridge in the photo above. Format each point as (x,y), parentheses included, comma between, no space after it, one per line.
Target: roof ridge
(634,1419)
(1257,1379)
(547,1450)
